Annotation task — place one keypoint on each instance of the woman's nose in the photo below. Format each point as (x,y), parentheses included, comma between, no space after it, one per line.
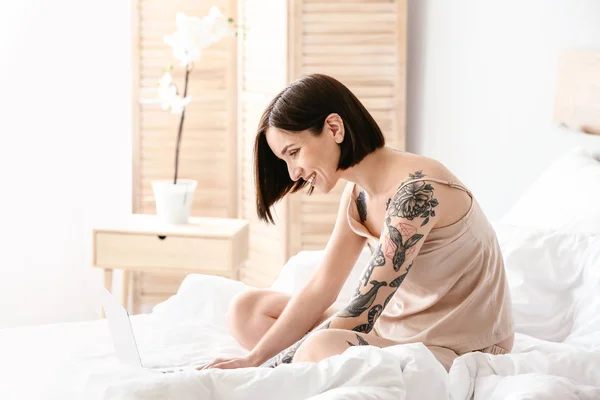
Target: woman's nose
(295,172)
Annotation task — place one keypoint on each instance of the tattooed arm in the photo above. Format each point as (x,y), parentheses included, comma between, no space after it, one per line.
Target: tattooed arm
(409,218)
(308,305)
(287,355)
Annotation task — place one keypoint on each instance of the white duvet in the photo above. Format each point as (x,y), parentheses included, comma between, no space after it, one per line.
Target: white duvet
(555,284)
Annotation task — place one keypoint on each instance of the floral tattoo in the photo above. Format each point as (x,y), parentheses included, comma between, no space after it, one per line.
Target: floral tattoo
(414,199)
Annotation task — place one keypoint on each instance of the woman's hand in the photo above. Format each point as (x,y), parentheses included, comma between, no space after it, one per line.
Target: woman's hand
(231,363)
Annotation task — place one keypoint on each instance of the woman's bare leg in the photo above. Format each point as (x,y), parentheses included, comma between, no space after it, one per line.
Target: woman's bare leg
(330,342)
(253,312)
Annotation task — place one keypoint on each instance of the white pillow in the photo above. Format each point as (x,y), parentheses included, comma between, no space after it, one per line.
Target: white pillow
(208,297)
(565,197)
(299,269)
(205,297)
(554,279)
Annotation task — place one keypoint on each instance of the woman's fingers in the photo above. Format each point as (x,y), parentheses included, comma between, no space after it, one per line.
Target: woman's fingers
(211,364)
(231,364)
(205,366)
(227,363)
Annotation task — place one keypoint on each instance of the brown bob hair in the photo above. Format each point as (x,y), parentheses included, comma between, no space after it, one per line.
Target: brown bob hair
(304,105)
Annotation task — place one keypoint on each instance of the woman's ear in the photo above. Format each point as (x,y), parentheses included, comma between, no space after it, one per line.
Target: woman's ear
(336,127)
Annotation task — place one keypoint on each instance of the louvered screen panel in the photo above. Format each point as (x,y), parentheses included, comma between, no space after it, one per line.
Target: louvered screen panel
(208,143)
(362,44)
(208,148)
(263,75)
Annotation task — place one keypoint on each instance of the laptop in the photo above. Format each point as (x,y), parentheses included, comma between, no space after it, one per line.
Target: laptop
(121,331)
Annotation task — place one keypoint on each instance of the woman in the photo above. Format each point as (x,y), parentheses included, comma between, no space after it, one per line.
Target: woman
(436,274)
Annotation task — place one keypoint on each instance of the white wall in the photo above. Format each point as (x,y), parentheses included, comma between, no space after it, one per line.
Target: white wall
(65,151)
(481,79)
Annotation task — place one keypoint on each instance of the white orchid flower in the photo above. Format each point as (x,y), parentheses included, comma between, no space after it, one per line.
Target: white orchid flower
(194,34)
(168,97)
(166,80)
(184,41)
(216,25)
(178,104)
(166,91)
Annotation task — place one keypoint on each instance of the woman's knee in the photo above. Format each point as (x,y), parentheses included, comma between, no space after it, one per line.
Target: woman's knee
(320,345)
(242,307)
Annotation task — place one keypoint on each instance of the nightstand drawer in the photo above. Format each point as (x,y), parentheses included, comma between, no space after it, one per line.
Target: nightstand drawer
(136,250)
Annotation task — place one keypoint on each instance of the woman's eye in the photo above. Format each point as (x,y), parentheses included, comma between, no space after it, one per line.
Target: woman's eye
(293,153)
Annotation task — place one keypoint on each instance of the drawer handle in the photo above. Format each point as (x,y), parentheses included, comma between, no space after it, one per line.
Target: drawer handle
(162,237)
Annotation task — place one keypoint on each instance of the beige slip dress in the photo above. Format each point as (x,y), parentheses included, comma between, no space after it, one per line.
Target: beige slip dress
(456,298)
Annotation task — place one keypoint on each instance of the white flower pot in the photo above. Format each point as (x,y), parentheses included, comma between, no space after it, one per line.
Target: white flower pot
(174,201)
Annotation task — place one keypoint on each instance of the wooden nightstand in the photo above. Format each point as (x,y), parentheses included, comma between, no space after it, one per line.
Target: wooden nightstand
(212,246)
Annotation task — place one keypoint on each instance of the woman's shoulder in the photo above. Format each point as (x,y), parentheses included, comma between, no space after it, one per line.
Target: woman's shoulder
(420,167)
(434,186)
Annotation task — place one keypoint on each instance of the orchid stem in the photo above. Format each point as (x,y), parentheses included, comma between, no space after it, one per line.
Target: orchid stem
(185,88)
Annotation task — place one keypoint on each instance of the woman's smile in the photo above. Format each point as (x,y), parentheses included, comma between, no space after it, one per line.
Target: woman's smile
(312,180)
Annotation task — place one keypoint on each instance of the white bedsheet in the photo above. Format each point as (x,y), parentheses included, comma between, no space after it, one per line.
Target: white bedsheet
(555,282)
(555,287)
(535,370)
(77,361)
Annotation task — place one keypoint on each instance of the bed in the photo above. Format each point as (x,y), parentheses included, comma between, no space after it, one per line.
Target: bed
(553,267)
(555,284)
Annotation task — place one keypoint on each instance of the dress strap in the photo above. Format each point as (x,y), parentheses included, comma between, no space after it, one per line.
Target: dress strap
(452,184)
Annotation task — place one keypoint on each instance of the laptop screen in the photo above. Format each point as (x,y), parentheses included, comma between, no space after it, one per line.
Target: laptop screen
(121,331)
